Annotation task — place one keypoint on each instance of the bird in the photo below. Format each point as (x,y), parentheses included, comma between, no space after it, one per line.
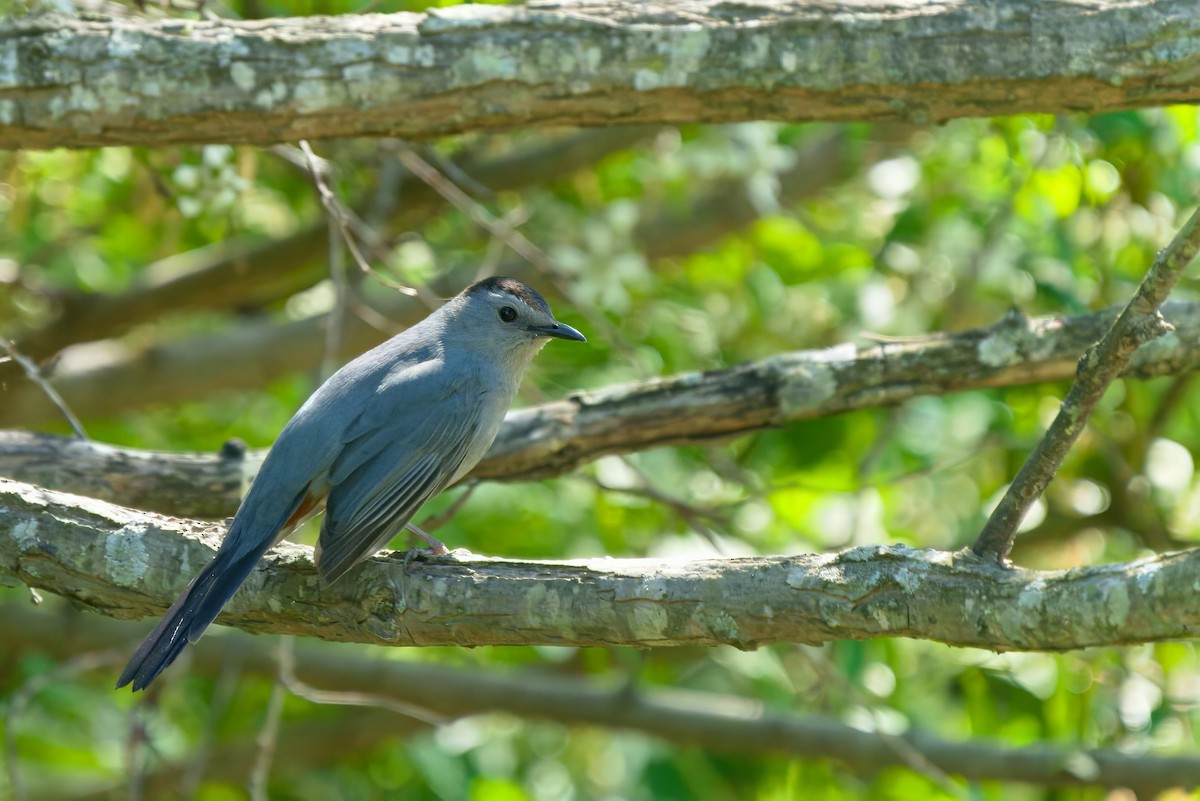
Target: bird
(379,438)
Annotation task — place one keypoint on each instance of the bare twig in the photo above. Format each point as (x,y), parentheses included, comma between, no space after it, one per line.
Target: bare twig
(517,241)
(337,262)
(1177,392)
(457,174)
(493,254)
(137,750)
(344,220)
(287,679)
(435,521)
(707,521)
(35,375)
(268,737)
(1138,323)
(500,229)
(907,752)
(222,696)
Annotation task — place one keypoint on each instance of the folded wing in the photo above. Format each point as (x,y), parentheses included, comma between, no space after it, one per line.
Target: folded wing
(391,464)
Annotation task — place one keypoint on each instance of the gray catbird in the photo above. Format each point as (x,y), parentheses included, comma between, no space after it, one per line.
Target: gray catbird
(377,440)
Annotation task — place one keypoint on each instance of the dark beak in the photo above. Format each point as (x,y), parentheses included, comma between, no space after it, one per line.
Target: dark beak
(558,330)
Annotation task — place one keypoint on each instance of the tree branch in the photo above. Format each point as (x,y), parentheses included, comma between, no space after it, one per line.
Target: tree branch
(720,723)
(34,374)
(70,82)
(554,438)
(125,563)
(1139,322)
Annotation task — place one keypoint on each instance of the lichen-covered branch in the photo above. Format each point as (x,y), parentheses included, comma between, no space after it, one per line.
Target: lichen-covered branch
(126,563)
(719,723)
(1139,322)
(554,438)
(67,82)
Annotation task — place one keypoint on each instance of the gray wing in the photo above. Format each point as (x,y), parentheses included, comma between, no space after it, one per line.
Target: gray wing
(395,458)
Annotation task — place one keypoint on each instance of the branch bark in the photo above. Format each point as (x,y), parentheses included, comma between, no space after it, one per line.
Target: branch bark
(125,563)
(554,438)
(67,82)
(1139,322)
(716,722)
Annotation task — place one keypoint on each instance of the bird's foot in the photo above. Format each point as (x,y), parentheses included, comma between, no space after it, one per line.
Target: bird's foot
(436,546)
(421,554)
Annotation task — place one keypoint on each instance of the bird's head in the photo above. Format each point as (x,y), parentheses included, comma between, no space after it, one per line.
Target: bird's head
(510,316)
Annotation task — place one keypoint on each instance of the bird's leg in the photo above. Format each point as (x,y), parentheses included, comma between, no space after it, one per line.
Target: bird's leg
(436,546)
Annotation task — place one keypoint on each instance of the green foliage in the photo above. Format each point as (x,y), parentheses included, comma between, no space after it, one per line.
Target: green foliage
(948,230)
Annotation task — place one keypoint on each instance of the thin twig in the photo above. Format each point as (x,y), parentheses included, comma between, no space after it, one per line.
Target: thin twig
(1138,323)
(371,317)
(35,375)
(1128,502)
(222,697)
(517,241)
(501,230)
(137,753)
(389,182)
(435,521)
(907,752)
(300,160)
(494,250)
(337,263)
(268,737)
(707,521)
(349,225)
(1177,392)
(457,174)
(288,680)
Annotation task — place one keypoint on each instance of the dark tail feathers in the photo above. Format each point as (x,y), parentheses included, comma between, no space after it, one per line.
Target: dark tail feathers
(188,617)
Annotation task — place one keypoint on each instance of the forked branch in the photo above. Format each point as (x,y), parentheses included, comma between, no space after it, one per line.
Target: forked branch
(1139,323)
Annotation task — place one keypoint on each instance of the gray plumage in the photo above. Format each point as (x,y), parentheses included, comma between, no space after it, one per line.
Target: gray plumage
(376,441)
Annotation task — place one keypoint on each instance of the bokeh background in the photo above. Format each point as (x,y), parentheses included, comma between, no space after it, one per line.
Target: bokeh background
(675,249)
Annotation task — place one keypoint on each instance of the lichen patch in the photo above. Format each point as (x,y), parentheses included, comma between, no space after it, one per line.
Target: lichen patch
(125,556)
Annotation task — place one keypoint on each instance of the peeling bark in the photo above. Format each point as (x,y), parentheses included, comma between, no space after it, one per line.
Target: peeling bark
(125,563)
(67,82)
(555,438)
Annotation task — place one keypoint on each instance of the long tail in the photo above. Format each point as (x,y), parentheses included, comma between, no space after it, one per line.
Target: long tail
(191,613)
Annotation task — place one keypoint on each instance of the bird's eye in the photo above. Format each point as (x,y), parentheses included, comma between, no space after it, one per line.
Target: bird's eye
(508,314)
